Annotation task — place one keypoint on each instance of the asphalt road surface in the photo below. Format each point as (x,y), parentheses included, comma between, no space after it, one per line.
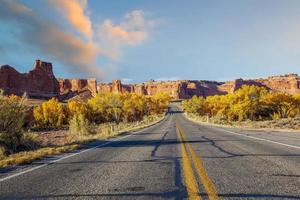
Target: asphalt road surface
(174,159)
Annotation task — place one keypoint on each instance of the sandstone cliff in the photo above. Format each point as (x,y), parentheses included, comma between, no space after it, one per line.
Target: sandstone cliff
(184,89)
(41,83)
(77,85)
(289,83)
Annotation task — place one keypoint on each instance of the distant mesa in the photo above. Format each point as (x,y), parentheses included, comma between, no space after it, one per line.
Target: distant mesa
(41,83)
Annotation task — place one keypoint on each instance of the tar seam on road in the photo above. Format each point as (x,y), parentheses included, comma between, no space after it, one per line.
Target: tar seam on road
(262,139)
(206,181)
(68,156)
(189,177)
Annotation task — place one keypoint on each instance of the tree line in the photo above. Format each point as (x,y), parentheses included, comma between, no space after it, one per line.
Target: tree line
(74,114)
(247,103)
(102,108)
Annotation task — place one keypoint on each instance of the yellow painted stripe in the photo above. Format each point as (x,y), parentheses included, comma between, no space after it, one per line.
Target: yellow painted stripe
(189,177)
(206,181)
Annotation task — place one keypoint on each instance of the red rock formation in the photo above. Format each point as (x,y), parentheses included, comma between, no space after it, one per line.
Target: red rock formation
(39,82)
(116,86)
(176,89)
(104,87)
(92,85)
(186,88)
(289,83)
(82,88)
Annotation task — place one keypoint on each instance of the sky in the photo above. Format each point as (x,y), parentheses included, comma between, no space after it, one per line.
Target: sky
(138,40)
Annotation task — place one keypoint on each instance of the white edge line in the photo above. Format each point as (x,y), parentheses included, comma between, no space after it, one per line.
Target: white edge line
(262,139)
(63,158)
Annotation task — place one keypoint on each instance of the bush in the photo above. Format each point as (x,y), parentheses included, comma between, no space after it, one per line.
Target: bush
(79,125)
(111,107)
(29,140)
(2,152)
(106,107)
(79,107)
(247,103)
(50,114)
(12,115)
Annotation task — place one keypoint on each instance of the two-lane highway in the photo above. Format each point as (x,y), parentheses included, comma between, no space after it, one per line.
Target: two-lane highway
(174,159)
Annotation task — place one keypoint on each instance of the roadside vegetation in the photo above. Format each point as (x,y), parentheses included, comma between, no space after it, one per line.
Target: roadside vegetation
(250,106)
(28,133)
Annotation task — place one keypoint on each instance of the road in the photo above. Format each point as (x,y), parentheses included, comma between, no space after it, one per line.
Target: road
(174,159)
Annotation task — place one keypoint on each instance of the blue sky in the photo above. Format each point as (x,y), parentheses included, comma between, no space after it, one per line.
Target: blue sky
(141,40)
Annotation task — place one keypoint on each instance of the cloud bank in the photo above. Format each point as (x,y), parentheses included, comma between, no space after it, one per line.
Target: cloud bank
(133,30)
(78,53)
(75,12)
(47,38)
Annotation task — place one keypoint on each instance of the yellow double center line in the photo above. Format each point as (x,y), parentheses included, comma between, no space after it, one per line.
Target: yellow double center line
(189,177)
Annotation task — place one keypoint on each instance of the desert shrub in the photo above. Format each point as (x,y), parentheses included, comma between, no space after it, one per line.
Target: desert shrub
(79,107)
(79,125)
(134,107)
(2,152)
(159,103)
(12,115)
(247,103)
(30,140)
(51,114)
(297,99)
(195,105)
(282,105)
(106,107)
(127,107)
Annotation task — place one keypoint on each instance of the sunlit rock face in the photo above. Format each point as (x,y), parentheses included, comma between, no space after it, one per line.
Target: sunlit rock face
(185,89)
(39,82)
(289,83)
(77,85)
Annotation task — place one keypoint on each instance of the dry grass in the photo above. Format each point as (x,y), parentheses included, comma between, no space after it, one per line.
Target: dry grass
(57,142)
(287,124)
(108,130)
(34,102)
(29,156)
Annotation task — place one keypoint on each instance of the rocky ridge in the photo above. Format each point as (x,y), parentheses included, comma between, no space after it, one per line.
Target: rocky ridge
(41,83)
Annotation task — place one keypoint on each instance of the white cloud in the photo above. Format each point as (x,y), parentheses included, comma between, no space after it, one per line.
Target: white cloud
(133,30)
(78,54)
(75,12)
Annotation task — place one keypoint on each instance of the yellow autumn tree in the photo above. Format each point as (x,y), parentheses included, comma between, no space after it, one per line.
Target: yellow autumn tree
(49,114)
(159,103)
(134,107)
(282,105)
(12,118)
(246,103)
(297,98)
(195,105)
(79,107)
(107,107)
(218,105)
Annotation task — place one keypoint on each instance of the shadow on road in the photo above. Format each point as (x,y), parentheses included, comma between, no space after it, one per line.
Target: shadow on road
(162,194)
